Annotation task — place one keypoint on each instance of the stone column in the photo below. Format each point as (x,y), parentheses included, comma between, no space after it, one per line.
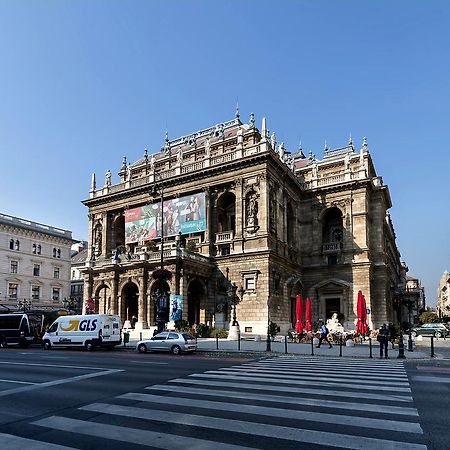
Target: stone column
(142,322)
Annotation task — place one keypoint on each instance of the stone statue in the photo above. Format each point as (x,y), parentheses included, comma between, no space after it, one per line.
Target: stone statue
(108,178)
(129,172)
(252,210)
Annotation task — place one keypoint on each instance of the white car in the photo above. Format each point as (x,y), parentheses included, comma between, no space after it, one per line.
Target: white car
(168,341)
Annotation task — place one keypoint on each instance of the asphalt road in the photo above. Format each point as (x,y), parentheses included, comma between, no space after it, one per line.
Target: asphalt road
(122,400)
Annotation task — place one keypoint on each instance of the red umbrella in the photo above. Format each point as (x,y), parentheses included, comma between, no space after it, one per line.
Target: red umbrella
(365,327)
(308,323)
(299,315)
(359,313)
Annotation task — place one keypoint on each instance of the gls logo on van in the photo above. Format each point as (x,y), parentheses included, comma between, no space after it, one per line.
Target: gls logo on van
(80,325)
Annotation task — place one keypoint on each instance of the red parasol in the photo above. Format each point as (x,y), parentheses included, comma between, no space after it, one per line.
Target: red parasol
(359,313)
(308,323)
(299,315)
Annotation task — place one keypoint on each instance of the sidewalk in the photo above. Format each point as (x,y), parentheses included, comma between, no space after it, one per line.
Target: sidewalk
(278,347)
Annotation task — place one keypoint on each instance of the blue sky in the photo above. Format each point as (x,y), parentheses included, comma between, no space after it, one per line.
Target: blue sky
(84,83)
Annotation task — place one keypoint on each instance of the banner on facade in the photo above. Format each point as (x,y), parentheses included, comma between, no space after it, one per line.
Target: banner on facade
(184,214)
(176,307)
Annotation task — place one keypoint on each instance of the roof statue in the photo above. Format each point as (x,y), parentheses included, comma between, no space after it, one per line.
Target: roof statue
(252,120)
(273,141)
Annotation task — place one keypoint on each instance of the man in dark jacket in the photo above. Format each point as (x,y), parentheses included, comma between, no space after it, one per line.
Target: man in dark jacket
(383,338)
(323,335)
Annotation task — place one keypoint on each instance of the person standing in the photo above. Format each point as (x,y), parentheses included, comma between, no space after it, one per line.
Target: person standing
(323,335)
(383,339)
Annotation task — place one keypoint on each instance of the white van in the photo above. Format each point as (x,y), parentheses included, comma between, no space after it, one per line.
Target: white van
(88,331)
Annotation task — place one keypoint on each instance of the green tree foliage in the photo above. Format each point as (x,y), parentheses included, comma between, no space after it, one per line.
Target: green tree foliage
(429,317)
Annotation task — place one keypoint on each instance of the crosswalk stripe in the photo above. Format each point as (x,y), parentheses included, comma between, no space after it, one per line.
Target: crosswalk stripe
(367,407)
(287,375)
(340,373)
(131,435)
(352,386)
(336,419)
(341,366)
(295,390)
(10,442)
(329,360)
(256,429)
(431,378)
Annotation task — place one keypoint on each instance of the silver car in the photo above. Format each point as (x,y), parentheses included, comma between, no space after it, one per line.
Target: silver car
(168,341)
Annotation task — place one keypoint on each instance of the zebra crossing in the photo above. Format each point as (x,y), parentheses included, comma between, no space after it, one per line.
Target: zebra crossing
(299,403)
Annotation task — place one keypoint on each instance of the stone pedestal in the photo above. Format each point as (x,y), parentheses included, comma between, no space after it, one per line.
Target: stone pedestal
(234,333)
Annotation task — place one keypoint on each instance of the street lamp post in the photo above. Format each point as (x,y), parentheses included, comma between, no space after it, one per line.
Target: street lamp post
(401,344)
(160,296)
(269,304)
(410,341)
(235,297)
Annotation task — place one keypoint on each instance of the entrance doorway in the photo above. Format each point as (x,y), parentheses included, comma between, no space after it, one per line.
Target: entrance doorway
(332,305)
(195,293)
(131,297)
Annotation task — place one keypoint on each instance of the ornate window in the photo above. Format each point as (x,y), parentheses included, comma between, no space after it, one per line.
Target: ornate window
(14,266)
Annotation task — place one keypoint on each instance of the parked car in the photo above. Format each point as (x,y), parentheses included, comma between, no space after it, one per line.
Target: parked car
(431,329)
(168,341)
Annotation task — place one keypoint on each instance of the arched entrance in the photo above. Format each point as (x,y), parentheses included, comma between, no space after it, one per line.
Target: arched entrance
(102,300)
(195,294)
(130,297)
(160,294)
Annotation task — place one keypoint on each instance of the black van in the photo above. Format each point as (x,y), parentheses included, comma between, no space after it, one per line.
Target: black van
(21,328)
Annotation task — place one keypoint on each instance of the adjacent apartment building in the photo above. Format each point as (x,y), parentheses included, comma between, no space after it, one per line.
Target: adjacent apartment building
(239,210)
(34,264)
(443,296)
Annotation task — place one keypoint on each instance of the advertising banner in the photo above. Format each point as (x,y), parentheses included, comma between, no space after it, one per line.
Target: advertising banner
(176,307)
(184,214)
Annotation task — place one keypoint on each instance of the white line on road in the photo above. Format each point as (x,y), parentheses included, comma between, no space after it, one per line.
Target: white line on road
(17,382)
(336,419)
(255,429)
(10,442)
(431,379)
(351,386)
(295,390)
(150,362)
(369,407)
(133,435)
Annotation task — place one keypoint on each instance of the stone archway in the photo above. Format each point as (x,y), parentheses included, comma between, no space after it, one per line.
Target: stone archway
(102,299)
(130,301)
(195,297)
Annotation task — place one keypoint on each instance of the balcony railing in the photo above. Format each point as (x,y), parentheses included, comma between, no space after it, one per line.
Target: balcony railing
(225,236)
(331,247)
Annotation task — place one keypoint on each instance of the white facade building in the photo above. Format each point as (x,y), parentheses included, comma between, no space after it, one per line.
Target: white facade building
(34,264)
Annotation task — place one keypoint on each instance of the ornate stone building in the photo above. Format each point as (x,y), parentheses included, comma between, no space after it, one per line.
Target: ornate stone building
(34,264)
(443,297)
(274,223)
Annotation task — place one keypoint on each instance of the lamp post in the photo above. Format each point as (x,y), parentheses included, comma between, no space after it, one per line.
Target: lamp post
(234,299)
(269,304)
(160,298)
(401,344)
(410,342)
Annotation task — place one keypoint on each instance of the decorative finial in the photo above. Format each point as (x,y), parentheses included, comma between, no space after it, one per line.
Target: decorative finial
(264,128)
(237,111)
(167,148)
(252,120)
(325,146)
(145,153)
(300,148)
(124,164)
(93,182)
(310,155)
(364,142)
(350,140)
(146,160)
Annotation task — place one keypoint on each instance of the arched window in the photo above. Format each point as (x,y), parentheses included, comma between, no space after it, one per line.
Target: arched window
(34,248)
(59,253)
(39,249)
(17,245)
(11,244)
(290,219)
(54,252)
(332,228)
(226,212)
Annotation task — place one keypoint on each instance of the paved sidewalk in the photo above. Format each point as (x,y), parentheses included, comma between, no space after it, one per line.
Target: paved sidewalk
(358,351)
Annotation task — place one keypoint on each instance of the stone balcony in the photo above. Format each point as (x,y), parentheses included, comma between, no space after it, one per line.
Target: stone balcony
(331,247)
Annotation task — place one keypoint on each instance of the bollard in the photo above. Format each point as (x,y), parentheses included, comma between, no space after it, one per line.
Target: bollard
(312,345)
(340,345)
(285,345)
(239,343)
(401,348)
(217,342)
(432,346)
(370,348)
(140,336)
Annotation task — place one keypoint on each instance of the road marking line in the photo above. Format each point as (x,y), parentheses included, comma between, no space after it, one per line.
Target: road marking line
(295,390)
(53,365)
(352,386)
(336,419)
(133,435)
(314,376)
(57,382)
(369,407)
(255,429)
(10,442)
(18,382)
(431,379)
(150,362)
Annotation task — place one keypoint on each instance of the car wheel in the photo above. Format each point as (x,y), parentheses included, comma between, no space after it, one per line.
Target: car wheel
(437,334)
(142,348)
(413,333)
(176,350)
(88,346)
(47,345)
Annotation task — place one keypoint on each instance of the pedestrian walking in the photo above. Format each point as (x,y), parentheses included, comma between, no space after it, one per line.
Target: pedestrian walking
(383,339)
(323,335)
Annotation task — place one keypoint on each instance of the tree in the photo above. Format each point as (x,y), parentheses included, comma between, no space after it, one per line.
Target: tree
(429,317)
